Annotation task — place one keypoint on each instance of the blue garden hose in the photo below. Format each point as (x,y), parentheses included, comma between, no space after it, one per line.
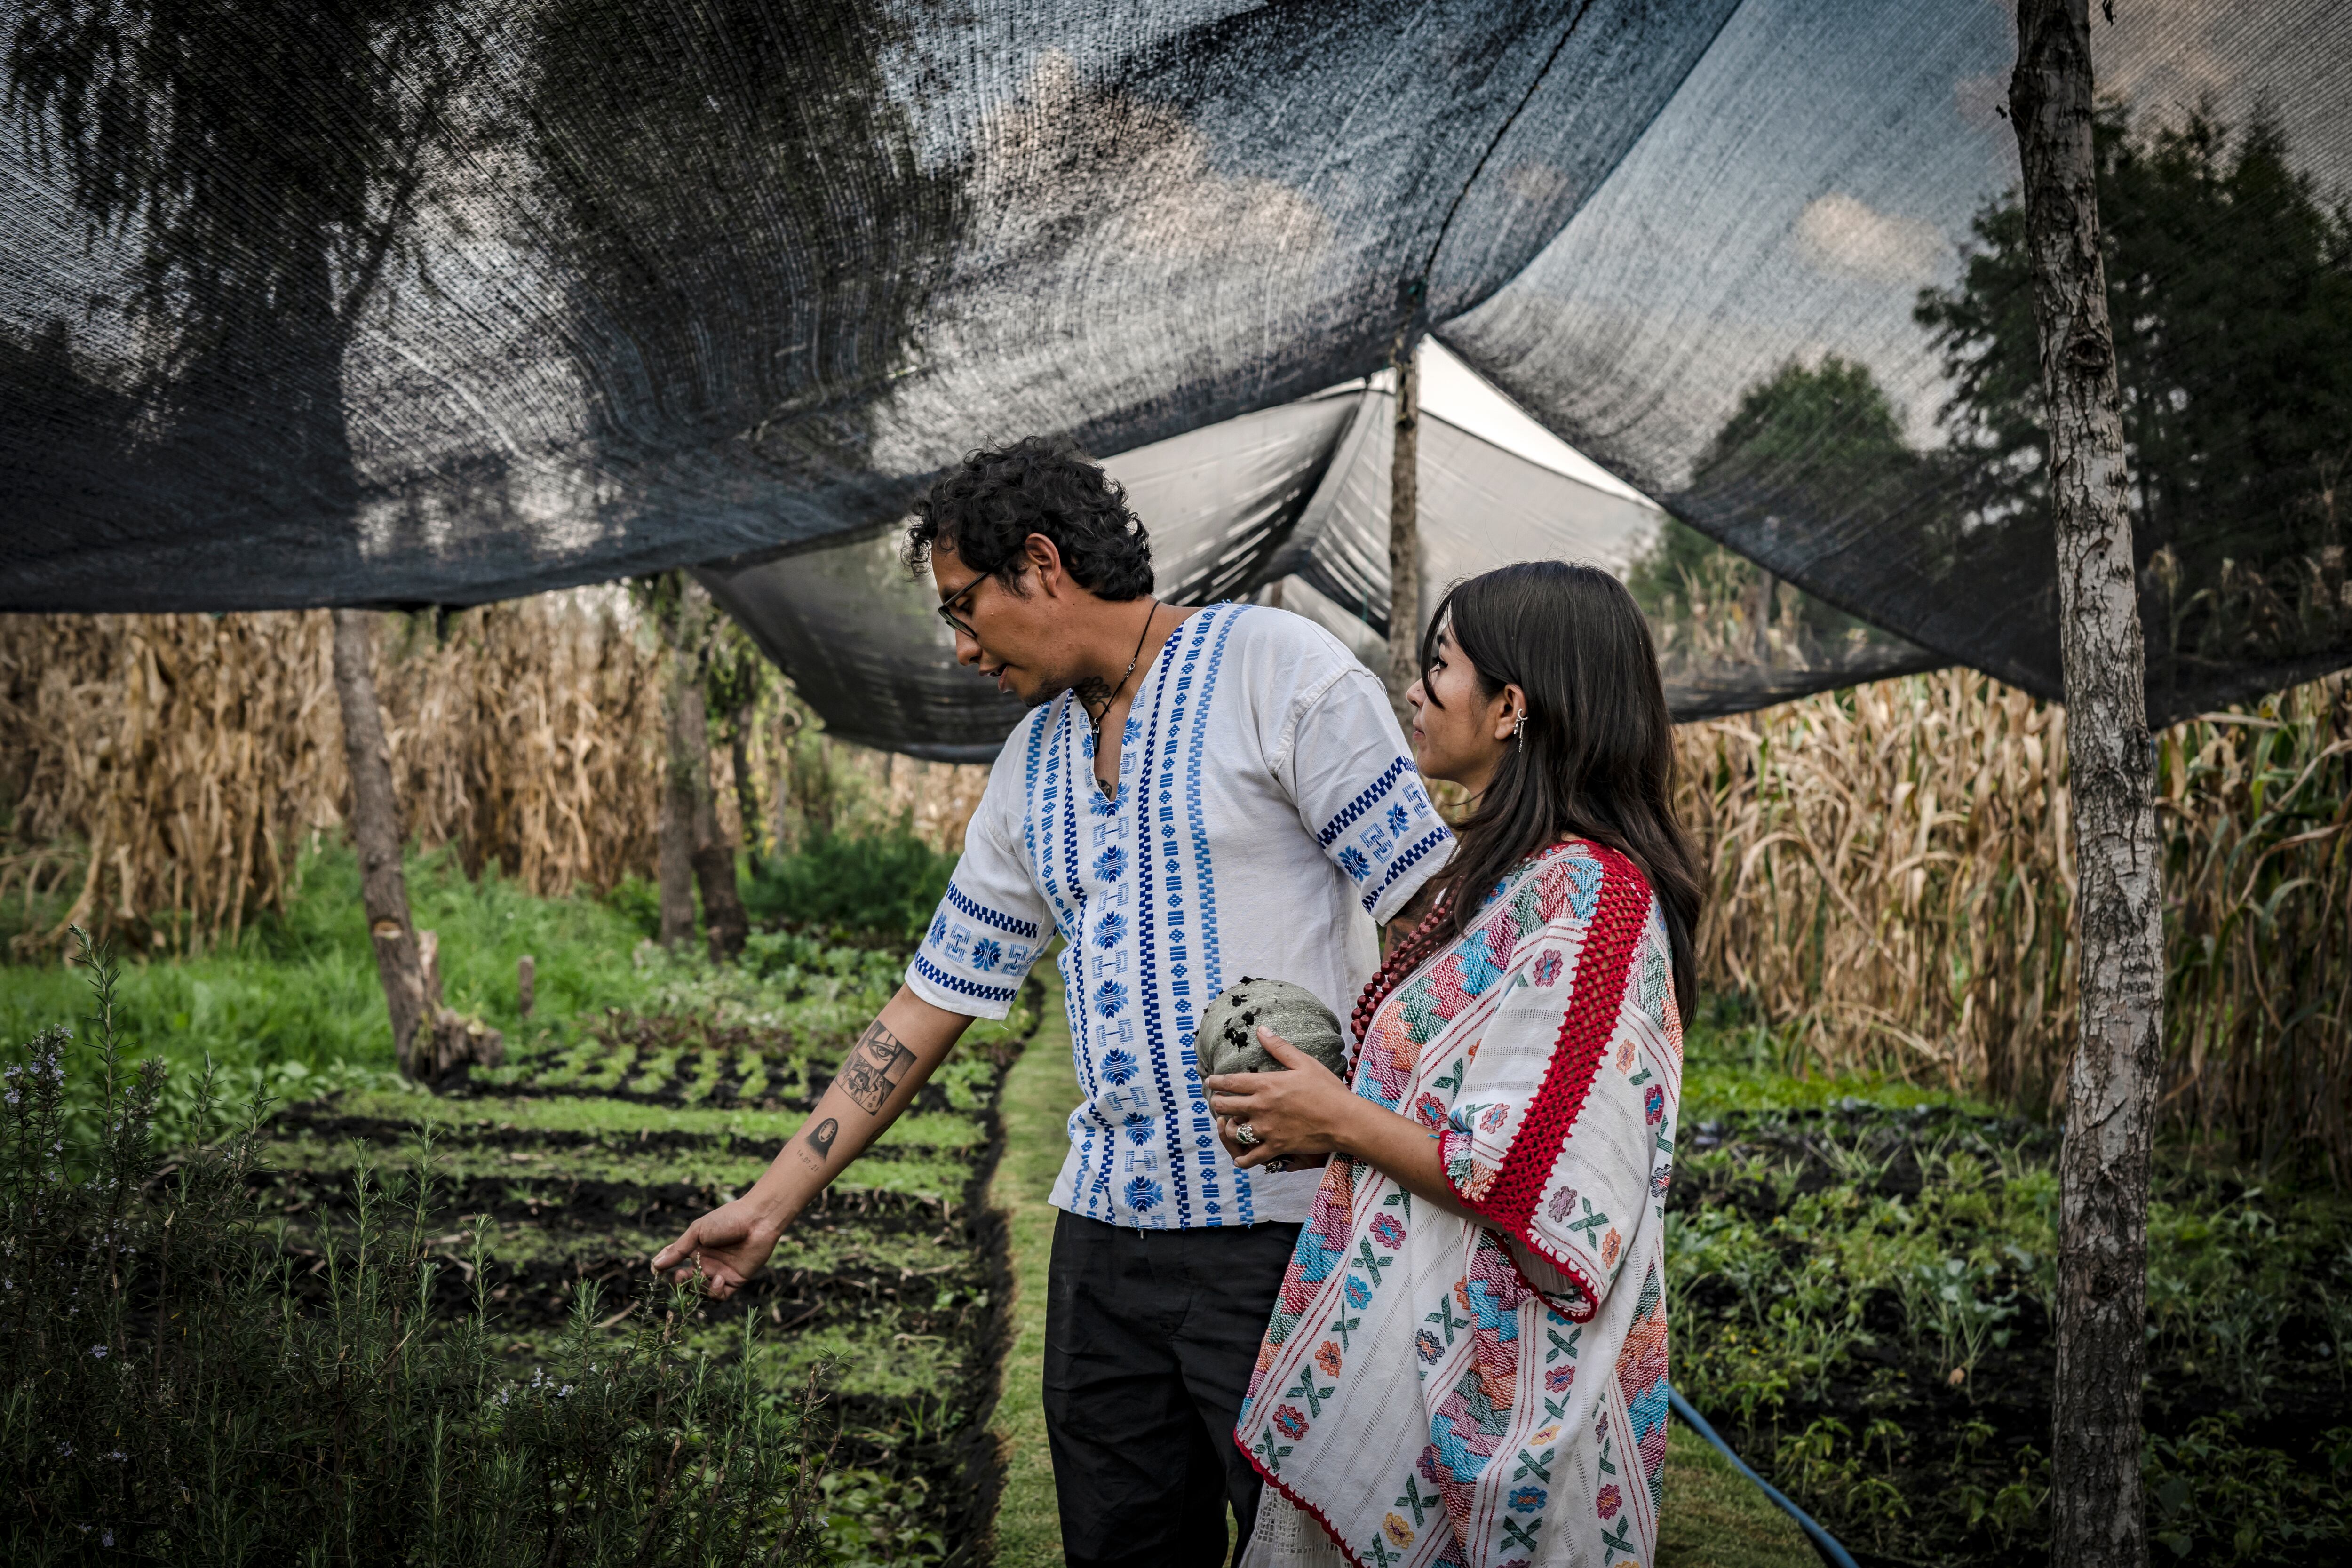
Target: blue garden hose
(1832,1553)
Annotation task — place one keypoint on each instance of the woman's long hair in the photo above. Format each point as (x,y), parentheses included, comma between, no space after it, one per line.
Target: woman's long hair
(1596,757)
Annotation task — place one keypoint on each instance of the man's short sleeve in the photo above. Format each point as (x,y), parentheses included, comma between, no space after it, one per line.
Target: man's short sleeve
(1358,793)
(990,926)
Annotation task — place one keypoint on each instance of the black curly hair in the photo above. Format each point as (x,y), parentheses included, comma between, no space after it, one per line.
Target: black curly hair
(986,509)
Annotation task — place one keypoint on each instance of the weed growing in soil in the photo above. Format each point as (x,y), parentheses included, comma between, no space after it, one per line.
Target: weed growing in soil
(187,1386)
(1863,1291)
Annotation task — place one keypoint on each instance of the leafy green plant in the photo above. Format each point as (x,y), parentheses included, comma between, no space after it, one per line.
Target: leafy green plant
(885,882)
(185,1387)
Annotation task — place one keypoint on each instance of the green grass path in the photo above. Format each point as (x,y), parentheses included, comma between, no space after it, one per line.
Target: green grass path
(1038,1094)
(1712,1519)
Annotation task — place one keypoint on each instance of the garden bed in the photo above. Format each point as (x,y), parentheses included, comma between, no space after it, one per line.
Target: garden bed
(591,1150)
(1862,1298)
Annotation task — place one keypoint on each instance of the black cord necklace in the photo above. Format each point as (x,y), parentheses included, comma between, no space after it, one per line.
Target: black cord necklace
(1148,616)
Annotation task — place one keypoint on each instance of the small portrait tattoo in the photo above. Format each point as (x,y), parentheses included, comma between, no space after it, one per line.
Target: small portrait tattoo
(874,1069)
(822,1135)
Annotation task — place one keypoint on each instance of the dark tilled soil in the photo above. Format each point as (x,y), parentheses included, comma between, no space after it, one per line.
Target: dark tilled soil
(1961,1446)
(939,1437)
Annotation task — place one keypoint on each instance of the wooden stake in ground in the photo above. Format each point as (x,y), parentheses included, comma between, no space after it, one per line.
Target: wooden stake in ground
(693,850)
(2096,1512)
(375,834)
(1404,536)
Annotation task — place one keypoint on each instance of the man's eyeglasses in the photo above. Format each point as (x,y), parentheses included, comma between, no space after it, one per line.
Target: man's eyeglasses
(948,605)
(956,600)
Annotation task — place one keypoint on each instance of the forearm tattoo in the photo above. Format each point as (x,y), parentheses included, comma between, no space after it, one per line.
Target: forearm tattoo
(875,1068)
(820,1137)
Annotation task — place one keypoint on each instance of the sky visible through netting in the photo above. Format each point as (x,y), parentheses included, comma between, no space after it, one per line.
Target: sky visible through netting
(410,302)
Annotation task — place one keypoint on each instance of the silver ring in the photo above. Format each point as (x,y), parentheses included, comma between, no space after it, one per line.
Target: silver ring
(1245,1134)
(1280,1165)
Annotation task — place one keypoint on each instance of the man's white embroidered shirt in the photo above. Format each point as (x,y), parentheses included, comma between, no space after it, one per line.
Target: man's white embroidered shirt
(1266,816)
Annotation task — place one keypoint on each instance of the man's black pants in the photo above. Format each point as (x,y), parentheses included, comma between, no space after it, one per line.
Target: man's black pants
(1150,1337)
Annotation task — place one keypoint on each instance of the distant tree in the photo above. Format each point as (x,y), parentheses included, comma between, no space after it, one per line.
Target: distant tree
(271,157)
(2229,282)
(1810,440)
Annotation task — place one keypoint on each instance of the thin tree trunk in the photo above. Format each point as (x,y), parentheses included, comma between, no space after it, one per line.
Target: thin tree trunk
(674,865)
(712,852)
(375,833)
(1405,536)
(747,795)
(2096,1512)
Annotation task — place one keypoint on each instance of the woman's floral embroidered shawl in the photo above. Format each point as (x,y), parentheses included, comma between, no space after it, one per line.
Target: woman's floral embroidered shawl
(1437,1392)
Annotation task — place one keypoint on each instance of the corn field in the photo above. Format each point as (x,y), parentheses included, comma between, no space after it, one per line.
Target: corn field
(1892,884)
(165,770)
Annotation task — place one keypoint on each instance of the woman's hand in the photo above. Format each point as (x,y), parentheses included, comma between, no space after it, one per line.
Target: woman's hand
(1298,1116)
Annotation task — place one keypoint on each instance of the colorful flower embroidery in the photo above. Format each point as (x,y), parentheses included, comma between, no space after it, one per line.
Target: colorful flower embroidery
(1526,1500)
(1429,1110)
(1609,1245)
(1352,861)
(1387,1232)
(1358,1294)
(1654,1104)
(986,954)
(1560,1378)
(1610,1500)
(1396,818)
(1117,1067)
(1427,1346)
(1399,1532)
(1291,1423)
(1494,1118)
(1563,1203)
(1547,968)
(1327,1356)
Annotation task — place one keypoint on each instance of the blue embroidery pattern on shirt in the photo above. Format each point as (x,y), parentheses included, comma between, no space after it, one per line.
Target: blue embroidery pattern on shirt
(960,986)
(1368,799)
(1011,924)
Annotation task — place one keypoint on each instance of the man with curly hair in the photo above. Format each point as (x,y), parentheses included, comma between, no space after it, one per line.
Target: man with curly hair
(1199,795)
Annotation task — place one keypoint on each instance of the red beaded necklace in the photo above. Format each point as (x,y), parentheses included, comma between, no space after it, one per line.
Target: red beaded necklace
(1404,958)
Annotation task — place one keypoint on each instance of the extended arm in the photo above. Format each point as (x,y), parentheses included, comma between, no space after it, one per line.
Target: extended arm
(898,1053)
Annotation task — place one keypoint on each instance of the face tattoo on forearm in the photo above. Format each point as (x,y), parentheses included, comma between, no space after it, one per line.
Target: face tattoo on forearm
(875,1069)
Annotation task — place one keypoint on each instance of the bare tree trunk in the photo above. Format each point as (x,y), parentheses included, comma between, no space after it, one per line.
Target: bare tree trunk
(2097,1513)
(712,852)
(747,796)
(675,862)
(1405,536)
(375,834)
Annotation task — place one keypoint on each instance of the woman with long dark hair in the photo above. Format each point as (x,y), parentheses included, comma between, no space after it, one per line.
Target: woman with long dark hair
(1467,1362)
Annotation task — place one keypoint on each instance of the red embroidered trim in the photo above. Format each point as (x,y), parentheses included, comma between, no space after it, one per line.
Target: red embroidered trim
(1603,968)
(1300,1503)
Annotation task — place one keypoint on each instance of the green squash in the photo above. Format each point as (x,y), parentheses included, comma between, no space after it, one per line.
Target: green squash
(1227,1040)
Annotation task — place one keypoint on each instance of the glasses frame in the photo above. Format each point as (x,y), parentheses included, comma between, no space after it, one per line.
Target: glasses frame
(947,607)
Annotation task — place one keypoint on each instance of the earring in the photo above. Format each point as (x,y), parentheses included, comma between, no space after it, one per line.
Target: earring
(1519,729)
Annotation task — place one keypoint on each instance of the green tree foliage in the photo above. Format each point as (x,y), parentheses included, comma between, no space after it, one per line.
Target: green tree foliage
(2229,286)
(1813,440)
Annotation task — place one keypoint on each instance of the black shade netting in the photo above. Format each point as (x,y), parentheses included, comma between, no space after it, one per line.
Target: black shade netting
(409,303)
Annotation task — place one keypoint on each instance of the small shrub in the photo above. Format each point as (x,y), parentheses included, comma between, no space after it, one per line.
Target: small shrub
(184,1387)
(883,883)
